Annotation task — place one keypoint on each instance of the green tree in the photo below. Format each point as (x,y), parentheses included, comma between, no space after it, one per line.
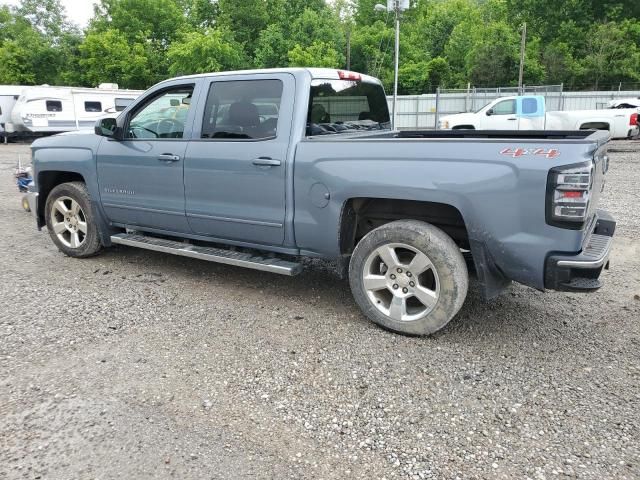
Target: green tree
(108,56)
(246,19)
(147,27)
(201,14)
(272,48)
(318,54)
(211,51)
(608,57)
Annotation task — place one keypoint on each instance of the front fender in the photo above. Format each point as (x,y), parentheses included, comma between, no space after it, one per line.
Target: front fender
(59,158)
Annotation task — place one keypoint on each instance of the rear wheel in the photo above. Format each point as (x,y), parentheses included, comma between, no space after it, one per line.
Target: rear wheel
(408,276)
(70,220)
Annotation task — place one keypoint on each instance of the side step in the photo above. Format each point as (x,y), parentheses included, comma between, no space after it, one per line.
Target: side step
(211,254)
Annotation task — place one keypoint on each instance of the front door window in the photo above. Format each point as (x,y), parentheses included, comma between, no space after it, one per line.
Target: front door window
(162,117)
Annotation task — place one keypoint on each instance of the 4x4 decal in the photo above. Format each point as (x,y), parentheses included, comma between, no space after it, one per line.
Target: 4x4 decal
(520,152)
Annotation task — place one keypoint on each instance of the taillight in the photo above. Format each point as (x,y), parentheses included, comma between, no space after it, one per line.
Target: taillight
(345,75)
(633,120)
(568,195)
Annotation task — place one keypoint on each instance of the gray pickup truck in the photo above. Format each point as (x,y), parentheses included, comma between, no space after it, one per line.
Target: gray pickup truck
(261,168)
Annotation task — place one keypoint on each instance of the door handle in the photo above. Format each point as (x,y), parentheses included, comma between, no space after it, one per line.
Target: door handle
(168,157)
(266,162)
(513,119)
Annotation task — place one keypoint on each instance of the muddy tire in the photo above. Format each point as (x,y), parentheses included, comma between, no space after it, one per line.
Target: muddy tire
(409,277)
(70,220)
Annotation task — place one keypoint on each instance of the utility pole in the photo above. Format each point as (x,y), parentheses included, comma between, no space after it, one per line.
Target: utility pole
(523,44)
(397,7)
(349,47)
(395,67)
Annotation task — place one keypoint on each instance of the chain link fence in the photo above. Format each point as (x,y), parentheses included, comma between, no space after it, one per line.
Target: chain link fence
(423,111)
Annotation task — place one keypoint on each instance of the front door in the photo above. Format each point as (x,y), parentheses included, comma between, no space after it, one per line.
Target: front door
(141,177)
(234,172)
(503,116)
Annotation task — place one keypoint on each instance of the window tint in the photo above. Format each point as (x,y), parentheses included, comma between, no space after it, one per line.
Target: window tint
(506,107)
(122,103)
(92,107)
(529,106)
(54,106)
(162,116)
(347,101)
(243,109)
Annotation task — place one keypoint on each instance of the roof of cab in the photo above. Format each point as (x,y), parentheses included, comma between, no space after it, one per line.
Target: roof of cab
(324,73)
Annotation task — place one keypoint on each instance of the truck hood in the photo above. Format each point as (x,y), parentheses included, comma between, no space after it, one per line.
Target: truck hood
(450,121)
(85,139)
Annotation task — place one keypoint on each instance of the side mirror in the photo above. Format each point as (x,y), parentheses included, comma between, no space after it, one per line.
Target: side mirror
(106,127)
(489,112)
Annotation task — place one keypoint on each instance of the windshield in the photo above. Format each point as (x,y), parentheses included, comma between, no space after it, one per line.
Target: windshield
(337,106)
(482,107)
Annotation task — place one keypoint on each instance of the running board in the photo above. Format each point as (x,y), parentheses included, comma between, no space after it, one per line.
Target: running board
(211,254)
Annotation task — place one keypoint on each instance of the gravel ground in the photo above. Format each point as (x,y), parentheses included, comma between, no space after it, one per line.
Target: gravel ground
(139,365)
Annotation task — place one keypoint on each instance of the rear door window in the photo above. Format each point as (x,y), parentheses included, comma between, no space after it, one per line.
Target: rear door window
(242,110)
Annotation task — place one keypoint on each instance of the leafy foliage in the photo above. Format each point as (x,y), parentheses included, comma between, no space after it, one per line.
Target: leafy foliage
(581,43)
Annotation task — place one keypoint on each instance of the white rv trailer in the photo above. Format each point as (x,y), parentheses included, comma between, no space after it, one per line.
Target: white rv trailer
(48,109)
(8,96)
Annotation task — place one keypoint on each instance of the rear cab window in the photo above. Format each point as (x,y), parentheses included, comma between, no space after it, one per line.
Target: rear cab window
(340,105)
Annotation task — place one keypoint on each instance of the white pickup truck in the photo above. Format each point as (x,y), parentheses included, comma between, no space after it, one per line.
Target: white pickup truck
(528,113)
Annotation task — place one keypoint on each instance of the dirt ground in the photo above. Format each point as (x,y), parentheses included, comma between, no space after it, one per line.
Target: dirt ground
(135,365)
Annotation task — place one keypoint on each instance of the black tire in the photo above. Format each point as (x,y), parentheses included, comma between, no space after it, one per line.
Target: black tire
(449,272)
(88,243)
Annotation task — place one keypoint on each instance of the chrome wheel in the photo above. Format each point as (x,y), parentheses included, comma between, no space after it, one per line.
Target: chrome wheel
(69,222)
(401,282)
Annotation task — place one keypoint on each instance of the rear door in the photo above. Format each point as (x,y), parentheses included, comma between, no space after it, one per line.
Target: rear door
(235,166)
(141,177)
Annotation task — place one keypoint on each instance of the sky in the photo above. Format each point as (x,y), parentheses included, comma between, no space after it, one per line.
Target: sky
(78,11)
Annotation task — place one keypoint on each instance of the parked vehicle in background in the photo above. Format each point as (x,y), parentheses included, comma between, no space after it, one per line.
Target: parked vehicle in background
(45,109)
(8,96)
(264,167)
(625,103)
(529,113)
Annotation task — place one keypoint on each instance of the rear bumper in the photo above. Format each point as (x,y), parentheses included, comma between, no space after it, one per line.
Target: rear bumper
(580,272)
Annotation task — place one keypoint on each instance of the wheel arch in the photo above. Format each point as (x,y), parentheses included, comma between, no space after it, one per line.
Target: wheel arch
(360,215)
(46,181)
(595,125)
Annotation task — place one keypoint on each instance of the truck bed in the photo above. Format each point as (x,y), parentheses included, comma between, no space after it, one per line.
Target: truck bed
(498,134)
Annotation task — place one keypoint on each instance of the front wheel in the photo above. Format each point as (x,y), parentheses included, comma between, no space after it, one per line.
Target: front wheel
(70,220)
(409,277)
